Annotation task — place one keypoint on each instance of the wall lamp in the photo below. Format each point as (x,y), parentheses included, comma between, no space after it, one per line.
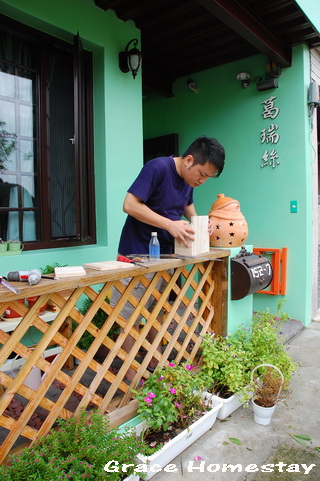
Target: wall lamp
(130,60)
(192,85)
(273,71)
(244,77)
(313,98)
(271,83)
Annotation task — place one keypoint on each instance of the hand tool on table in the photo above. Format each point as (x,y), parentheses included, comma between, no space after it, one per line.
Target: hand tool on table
(32,277)
(9,286)
(131,261)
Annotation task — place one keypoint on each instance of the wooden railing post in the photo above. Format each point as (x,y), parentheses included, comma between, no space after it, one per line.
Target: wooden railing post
(219,323)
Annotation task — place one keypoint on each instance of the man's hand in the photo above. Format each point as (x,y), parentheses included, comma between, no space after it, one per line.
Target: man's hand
(182,231)
(179,229)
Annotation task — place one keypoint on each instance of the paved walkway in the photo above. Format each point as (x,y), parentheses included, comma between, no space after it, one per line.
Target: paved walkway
(261,445)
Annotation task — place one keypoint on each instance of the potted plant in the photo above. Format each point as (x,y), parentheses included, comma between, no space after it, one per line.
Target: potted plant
(228,361)
(3,246)
(266,344)
(15,245)
(267,392)
(226,368)
(82,447)
(175,412)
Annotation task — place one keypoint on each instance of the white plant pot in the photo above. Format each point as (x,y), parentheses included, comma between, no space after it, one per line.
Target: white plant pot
(175,446)
(262,415)
(229,405)
(132,477)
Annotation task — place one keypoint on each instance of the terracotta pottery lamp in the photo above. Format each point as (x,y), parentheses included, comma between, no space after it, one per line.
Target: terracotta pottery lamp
(230,226)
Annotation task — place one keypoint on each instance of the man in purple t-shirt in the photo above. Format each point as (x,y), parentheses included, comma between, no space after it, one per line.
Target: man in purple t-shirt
(156,201)
(163,193)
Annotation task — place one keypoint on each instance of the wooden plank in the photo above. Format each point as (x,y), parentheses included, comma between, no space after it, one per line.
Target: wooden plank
(123,414)
(201,243)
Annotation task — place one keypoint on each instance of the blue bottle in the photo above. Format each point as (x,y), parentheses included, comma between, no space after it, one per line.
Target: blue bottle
(154,247)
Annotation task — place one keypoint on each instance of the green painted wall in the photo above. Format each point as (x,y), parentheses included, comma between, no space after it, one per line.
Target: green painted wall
(233,115)
(117,118)
(312,9)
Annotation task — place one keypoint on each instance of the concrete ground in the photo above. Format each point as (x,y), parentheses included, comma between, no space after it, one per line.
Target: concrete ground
(261,445)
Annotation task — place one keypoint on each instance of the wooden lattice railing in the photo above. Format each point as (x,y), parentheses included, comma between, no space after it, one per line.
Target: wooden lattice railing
(194,302)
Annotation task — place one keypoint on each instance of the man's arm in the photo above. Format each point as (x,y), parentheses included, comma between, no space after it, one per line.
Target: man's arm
(189,211)
(179,229)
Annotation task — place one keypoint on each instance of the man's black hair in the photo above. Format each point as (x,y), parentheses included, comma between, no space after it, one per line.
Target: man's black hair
(204,149)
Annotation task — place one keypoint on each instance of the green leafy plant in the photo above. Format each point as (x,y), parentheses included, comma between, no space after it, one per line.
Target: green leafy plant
(80,448)
(228,361)
(171,394)
(49,269)
(226,364)
(98,320)
(266,344)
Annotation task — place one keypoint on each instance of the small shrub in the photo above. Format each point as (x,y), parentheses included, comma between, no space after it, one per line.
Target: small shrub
(171,394)
(228,361)
(78,449)
(98,320)
(268,389)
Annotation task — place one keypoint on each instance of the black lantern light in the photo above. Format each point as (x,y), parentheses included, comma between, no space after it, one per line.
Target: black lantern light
(130,60)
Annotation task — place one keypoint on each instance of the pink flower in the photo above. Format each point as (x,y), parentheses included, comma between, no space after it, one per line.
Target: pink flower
(197,458)
(151,394)
(178,405)
(142,382)
(148,399)
(189,367)
(172,390)
(171,364)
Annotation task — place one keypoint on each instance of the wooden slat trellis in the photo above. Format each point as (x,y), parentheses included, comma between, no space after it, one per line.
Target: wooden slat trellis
(200,305)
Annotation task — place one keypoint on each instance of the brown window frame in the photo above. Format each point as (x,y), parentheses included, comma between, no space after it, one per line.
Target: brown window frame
(83,138)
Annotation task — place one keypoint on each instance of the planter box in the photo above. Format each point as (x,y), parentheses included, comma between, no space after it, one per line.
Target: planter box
(229,405)
(184,439)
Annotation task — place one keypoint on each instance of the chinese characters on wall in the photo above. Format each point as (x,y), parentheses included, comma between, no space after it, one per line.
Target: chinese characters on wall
(270,136)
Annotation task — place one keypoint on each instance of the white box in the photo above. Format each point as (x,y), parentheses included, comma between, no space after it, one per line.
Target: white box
(201,244)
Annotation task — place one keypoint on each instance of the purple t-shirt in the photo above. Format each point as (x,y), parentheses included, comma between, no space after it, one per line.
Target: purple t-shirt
(162,189)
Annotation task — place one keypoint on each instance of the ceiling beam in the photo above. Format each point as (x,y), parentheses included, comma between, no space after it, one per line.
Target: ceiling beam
(245,24)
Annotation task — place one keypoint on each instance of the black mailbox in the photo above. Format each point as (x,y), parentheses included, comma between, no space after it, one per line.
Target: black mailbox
(249,273)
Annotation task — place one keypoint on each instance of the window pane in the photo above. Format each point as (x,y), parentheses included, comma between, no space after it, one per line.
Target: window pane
(7,115)
(6,82)
(26,152)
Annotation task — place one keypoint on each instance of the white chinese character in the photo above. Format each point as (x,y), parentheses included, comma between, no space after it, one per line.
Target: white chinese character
(270,158)
(273,158)
(270,111)
(270,135)
(265,159)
